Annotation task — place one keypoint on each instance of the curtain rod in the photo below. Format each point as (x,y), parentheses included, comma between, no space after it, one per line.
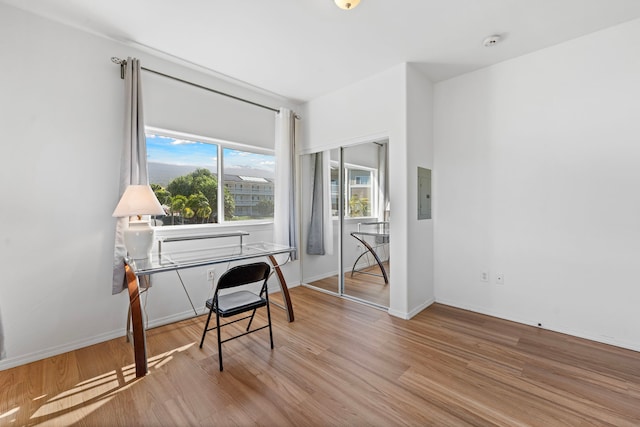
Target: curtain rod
(123,63)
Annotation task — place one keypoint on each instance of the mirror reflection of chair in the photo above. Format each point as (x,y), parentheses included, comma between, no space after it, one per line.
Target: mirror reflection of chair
(238,302)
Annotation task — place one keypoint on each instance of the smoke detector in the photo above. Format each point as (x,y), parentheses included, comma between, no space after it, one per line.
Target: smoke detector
(491,40)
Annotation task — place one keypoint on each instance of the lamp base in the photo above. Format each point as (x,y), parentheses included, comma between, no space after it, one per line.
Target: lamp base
(138,239)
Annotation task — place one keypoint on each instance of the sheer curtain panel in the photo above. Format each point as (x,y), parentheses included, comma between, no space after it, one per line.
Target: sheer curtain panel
(285,204)
(133,166)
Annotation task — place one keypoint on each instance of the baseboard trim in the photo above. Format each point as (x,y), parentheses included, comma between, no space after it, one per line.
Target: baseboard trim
(408,315)
(12,362)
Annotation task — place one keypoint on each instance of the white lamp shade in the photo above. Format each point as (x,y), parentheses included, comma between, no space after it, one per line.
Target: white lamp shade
(347,4)
(138,200)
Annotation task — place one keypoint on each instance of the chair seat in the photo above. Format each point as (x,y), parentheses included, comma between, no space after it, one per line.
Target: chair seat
(237,302)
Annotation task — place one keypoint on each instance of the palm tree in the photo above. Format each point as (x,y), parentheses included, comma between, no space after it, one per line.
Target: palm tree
(199,204)
(178,203)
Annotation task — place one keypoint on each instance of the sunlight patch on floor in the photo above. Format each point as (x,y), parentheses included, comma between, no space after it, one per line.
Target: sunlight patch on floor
(10,412)
(57,406)
(91,393)
(162,359)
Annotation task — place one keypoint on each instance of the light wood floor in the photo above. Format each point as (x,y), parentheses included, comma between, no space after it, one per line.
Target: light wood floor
(340,363)
(364,286)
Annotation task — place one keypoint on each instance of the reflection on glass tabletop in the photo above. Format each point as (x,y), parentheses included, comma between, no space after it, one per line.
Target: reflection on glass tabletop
(177,259)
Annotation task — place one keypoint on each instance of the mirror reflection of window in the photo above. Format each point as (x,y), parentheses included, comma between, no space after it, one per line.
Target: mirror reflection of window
(335,188)
(360,195)
(360,192)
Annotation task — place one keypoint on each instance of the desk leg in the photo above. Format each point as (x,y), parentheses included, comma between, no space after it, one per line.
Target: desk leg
(139,341)
(283,287)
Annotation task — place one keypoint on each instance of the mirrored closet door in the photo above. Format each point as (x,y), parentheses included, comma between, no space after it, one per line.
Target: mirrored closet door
(345,213)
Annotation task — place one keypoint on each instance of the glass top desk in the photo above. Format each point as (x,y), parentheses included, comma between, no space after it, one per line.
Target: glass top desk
(173,260)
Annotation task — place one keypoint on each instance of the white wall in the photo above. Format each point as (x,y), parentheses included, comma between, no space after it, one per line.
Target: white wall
(420,244)
(536,177)
(375,109)
(61,115)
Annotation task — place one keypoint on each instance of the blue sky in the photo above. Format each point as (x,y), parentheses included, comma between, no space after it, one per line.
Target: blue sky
(162,149)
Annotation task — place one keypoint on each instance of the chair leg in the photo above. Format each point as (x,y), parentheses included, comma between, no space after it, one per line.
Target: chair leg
(219,340)
(251,320)
(269,319)
(206,326)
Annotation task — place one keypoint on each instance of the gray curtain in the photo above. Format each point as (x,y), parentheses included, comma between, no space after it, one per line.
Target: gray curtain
(315,240)
(284,215)
(133,166)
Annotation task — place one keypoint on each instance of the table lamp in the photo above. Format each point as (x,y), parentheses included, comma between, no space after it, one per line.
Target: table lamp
(136,201)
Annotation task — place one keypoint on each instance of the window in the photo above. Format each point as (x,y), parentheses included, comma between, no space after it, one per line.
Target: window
(251,175)
(183,173)
(359,191)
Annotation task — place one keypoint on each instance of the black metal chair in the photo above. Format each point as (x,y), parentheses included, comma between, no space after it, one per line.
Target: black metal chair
(234,303)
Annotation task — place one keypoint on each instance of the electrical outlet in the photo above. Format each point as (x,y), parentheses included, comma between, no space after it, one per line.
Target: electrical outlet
(484,276)
(211,274)
(500,279)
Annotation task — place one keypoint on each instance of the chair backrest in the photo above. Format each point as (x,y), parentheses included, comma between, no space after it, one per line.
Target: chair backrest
(244,274)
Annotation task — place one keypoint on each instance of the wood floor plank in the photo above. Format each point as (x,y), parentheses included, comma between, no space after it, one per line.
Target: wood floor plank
(339,364)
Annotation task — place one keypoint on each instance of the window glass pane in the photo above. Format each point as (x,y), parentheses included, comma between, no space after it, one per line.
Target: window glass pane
(183,175)
(359,192)
(335,189)
(249,184)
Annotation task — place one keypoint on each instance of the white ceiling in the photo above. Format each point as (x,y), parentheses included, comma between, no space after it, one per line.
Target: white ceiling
(302,49)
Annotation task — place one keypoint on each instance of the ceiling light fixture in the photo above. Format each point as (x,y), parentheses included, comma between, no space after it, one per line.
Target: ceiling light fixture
(347,4)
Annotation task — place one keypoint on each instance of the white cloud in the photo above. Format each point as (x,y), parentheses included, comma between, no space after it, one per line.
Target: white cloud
(182,142)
